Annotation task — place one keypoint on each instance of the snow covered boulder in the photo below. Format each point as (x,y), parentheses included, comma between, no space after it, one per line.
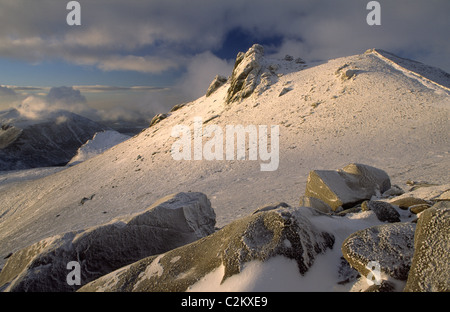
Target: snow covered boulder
(430,268)
(348,186)
(169,223)
(285,232)
(391,245)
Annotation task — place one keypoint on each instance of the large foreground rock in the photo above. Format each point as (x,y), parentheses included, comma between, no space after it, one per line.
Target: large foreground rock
(391,245)
(348,186)
(285,231)
(171,222)
(430,269)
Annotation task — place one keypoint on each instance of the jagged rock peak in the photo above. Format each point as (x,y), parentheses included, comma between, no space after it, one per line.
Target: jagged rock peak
(245,74)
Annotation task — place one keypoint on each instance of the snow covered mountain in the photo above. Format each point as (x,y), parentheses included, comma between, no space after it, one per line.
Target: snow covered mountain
(373,108)
(101,142)
(44,142)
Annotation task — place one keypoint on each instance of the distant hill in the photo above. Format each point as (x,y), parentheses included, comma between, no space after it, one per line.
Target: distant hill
(50,141)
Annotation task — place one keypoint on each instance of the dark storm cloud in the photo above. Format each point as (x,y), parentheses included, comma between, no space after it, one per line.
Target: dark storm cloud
(158,35)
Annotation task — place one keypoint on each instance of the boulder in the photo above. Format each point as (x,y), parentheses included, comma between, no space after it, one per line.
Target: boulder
(430,268)
(391,245)
(157,118)
(385,212)
(348,186)
(216,84)
(406,202)
(284,232)
(169,223)
(315,203)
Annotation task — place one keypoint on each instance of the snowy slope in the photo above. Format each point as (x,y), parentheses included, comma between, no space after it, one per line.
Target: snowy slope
(101,142)
(382,116)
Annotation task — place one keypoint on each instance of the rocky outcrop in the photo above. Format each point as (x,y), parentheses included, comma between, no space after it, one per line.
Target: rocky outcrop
(216,84)
(348,186)
(246,72)
(157,118)
(430,269)
(169,223)
(284,232)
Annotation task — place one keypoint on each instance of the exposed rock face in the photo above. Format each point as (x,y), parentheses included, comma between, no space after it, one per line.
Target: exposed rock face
(171,222)
(216,84)
(285,231)
(430,269)
(391,245)
(244,78)
(348,186)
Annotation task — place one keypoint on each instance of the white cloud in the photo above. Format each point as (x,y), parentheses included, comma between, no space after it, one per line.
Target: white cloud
(201,70)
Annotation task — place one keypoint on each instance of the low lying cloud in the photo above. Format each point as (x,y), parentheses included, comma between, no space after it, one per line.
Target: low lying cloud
(58,98)
(200,72)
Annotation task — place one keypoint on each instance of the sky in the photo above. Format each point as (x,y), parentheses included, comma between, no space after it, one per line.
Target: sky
(131,59)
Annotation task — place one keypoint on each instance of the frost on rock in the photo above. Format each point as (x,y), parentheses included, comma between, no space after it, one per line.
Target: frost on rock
(169,223)
(254,73)
(391,245)
(430,269)
(284,232)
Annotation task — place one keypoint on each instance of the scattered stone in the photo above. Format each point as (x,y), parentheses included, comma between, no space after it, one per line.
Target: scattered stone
(347,187)
(445,196)
(416,209)
(430,269)
(288,58)
(285,90)
(271,207)
(348,74)
(158,118)
(395,190)
(385,212)
(391,245)
(169,223)
(406,202)
(385,286)
(177,107)
(282,232)
(216,84)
